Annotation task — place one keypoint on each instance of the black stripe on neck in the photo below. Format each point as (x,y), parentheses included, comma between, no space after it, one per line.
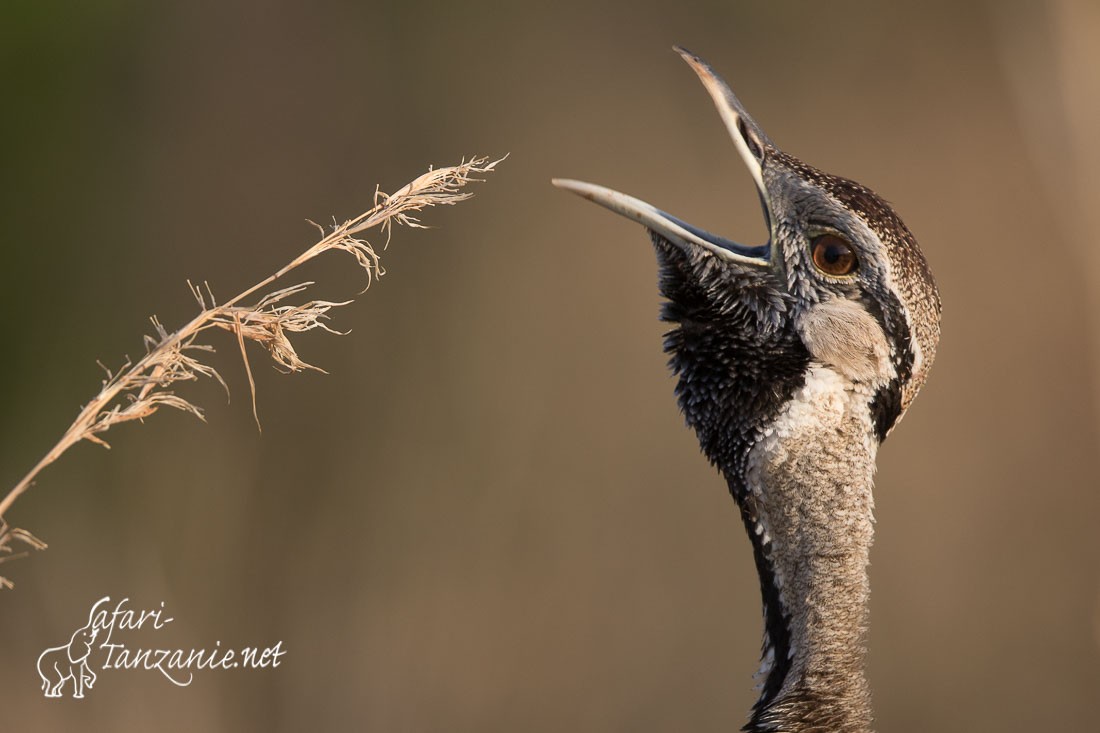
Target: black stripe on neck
(777,634)
(886,405)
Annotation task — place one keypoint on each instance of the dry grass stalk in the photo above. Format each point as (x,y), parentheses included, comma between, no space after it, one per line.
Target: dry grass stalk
(137,390)
(9,535)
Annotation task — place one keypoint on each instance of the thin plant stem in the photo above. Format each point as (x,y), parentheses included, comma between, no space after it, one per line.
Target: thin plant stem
(137,390)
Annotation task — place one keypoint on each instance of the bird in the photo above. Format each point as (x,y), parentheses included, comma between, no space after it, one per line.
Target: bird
(793,361)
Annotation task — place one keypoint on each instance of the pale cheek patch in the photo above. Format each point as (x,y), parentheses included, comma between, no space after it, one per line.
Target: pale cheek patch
(842,335)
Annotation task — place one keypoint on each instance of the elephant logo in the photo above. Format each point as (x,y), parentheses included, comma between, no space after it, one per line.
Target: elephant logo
(57,665)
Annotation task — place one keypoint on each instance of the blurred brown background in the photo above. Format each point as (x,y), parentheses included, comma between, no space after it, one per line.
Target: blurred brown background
(489,516)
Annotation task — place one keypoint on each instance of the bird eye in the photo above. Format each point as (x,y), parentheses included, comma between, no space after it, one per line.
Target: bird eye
(833,256)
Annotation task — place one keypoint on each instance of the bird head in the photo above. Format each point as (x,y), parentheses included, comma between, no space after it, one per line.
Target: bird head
(841,285)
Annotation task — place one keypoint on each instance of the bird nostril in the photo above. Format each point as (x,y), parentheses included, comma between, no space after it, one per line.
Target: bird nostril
(750,139)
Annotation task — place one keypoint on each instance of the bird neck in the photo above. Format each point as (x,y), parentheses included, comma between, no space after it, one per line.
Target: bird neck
(806,499)
(797,444)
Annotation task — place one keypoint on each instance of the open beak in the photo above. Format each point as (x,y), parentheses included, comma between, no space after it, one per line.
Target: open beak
(751,144)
